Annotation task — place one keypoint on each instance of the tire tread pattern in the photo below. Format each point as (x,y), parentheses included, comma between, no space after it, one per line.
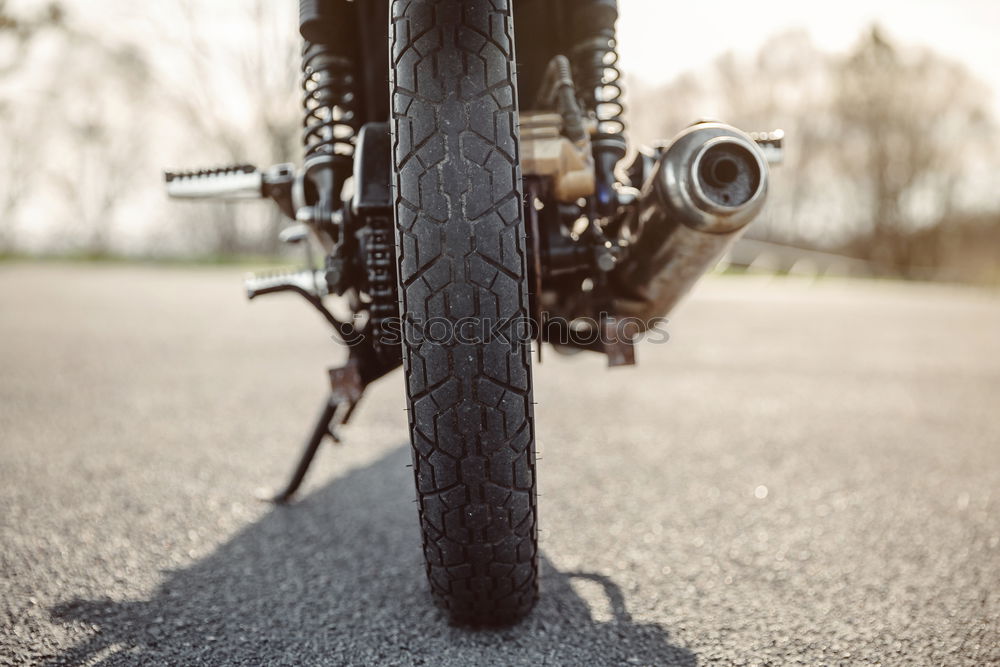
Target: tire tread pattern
(461,253)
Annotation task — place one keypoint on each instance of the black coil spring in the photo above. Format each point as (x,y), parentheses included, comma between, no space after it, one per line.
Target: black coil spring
(380,264)
(329,101)
(595,63)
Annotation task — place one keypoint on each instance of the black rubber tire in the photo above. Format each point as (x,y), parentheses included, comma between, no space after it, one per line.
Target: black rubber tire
(462,259)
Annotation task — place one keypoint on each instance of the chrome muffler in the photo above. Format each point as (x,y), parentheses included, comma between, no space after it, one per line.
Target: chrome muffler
(702,193)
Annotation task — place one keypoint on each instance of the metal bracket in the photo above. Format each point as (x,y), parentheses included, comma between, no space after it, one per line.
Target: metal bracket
(346,389)
(620,351)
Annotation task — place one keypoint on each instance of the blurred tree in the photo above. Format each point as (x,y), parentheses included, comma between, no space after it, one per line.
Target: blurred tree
(18,31)
(92,112)
(239,104)
(21,28)
(888,147)
(74,104)
(92,154)
(785,85)
(911,121)
(105,137)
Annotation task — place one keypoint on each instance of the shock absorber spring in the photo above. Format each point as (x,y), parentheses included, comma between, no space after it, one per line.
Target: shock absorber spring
(595,68)
(329,102)
(330,120)
(602,90)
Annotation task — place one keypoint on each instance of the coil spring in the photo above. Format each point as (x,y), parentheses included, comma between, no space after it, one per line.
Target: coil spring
(330,120)
(380,264)
(596,64)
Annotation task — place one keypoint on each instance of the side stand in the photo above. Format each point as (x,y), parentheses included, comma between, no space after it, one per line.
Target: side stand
(347,383)
(346,388)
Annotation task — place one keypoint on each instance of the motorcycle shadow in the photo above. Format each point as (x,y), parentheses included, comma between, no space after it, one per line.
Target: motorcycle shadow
(338,579)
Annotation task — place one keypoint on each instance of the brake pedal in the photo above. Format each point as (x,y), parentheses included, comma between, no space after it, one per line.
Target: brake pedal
(268,282)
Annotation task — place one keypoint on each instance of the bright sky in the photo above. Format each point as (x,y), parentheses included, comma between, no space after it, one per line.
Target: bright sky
(662,38)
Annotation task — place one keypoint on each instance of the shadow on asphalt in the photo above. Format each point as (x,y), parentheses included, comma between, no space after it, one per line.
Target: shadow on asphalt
(338,578)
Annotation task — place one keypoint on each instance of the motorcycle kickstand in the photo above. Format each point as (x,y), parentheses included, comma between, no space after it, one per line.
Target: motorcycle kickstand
(346,388)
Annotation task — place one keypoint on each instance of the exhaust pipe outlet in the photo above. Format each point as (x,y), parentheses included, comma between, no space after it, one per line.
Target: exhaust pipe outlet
(703,192)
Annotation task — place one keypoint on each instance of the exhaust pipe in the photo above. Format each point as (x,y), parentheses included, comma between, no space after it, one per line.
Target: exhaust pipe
(703,192)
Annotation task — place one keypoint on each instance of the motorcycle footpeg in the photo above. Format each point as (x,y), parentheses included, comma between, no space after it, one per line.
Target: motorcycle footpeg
(308,281)
(242,181)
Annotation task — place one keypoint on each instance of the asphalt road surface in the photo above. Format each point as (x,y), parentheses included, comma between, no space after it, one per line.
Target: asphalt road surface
(805,473)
